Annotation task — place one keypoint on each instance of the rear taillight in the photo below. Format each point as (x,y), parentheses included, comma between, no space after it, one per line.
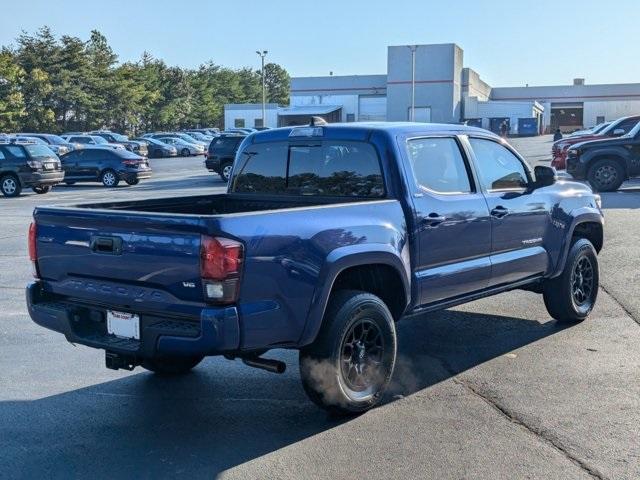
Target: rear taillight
(33,250)
(220,267)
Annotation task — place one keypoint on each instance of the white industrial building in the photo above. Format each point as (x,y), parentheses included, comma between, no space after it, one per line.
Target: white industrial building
(445,91)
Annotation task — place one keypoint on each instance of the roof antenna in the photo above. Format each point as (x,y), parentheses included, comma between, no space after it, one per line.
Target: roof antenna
(317,121)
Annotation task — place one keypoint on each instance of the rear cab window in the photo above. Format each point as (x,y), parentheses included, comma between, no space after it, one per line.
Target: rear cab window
(317,168)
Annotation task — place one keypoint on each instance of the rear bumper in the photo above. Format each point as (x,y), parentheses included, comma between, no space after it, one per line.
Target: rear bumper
(216,332)
(38,178)
(135,175)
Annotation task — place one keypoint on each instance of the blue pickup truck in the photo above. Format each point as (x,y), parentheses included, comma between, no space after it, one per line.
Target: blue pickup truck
(327,236)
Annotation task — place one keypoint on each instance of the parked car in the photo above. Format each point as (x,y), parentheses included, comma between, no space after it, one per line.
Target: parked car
(158,149)
(606,163)
(92,140)
(117,139)
(326,237)
(108,166)
(591,131)
(185,149)
(206,139)
(182,136)
(57,149)
(620,127)
(56,143)
(27,164)
(221,153)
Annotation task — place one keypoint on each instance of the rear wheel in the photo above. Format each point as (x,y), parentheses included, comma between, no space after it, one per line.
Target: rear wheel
(571,296)
(605,175)
(109,178)
(348,367)
(10,185)
(185,152)
(171,365)
(225,171)
(42,189)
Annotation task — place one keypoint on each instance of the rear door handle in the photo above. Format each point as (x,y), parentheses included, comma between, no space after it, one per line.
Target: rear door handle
(499,211)
(433,220)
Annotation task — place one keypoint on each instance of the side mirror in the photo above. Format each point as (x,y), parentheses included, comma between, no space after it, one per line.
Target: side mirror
(618,131)
(545,176)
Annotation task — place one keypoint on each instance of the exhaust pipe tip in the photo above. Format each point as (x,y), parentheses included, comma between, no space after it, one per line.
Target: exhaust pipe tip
(268,364)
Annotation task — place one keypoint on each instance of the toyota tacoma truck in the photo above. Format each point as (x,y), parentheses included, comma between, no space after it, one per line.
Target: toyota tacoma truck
(327,236)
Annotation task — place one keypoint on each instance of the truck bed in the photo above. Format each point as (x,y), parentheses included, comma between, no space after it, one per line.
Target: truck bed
(221,204)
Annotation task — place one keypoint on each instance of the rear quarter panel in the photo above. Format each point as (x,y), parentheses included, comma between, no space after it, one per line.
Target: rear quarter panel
(293,256)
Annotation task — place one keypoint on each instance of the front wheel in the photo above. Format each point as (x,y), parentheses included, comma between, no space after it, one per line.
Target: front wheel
(185,152)
(171,365)
(571,296)
(42,189)
(133,181)
(348,367)
(605,175)
(109,179)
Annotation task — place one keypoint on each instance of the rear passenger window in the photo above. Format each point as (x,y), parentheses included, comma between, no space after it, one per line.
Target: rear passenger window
(438,165)
(16,151)
(499,169)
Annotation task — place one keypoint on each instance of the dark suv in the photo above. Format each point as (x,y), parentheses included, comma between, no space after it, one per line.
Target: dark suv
(95,164)
(221,153)
(26,164)
(608,162)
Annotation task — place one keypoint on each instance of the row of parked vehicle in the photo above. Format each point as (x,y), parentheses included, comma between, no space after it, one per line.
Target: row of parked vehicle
(42,160)
(605,156)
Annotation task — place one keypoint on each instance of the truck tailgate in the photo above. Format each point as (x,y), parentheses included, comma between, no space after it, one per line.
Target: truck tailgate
(148,260)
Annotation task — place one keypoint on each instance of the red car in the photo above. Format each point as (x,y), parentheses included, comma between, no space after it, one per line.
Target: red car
(617,128)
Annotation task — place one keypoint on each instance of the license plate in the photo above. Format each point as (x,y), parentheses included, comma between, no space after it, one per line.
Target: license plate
(123,325)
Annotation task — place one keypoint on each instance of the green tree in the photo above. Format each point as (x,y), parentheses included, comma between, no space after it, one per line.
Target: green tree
(277,83)
(12,108)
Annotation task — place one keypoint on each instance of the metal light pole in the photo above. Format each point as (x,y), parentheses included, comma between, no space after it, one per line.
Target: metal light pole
(264,94)
(413,82)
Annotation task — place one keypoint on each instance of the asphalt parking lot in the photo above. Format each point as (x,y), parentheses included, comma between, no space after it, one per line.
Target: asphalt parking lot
(492,389)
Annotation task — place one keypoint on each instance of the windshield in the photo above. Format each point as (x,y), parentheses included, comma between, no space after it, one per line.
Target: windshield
(56,140)
(99,140)
(38,150)
(120,138)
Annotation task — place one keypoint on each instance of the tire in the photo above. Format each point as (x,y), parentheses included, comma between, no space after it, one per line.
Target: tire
(357,325)
(10,185)
(570,297)
(606,175)
(109,179)
(70,183)
(185,152)
(171,365)
(225,171)
(42,189)
(135,181)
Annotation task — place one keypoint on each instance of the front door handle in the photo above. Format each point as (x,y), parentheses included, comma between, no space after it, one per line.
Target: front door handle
(499,212)
(433,219)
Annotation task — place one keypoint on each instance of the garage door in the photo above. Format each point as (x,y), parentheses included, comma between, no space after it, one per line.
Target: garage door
(372,108)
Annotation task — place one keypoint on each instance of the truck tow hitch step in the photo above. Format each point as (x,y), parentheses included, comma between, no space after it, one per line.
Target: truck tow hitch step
(115,361)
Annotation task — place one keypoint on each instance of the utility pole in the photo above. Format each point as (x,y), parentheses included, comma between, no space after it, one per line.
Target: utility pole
(263,54)
(413,48)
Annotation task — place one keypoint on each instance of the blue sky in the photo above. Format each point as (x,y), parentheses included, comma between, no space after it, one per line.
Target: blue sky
(508,42)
